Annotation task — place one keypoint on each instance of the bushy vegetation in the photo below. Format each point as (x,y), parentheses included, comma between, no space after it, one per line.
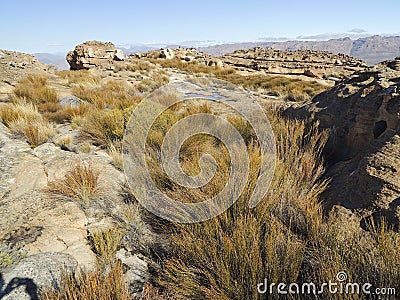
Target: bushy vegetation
(34,89)
(113,94)
(192,67)
(286,238)
(106,127)
(79,77)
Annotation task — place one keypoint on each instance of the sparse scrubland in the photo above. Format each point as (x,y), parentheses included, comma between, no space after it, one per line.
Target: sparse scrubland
(283,87)
(288,237)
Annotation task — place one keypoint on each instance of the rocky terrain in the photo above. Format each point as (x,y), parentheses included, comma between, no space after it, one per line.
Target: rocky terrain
(16,65)
(47,231)
(314,64)
(183,54)
(91,54)
(373,49)
(363,113)
(311,63)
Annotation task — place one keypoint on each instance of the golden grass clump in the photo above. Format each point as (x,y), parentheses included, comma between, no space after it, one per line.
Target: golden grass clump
(57,114)
(286,238)
(79,77)
(105,244)
(134,65)
(287,88)
(23,118)
(81,183)
(106,127)
(34,88)
(113,94)
(92,285)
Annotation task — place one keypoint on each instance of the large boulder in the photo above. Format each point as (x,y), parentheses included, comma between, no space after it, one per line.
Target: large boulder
(93,54)
(363,150)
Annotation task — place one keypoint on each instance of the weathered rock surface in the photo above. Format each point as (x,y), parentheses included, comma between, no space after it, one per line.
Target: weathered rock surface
(94,53)
(137,273)
(38,271)
(318,64)
(52,230)
(363,115)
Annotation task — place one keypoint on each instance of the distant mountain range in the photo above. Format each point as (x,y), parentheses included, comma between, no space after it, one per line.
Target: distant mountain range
(55,59)
(372,49)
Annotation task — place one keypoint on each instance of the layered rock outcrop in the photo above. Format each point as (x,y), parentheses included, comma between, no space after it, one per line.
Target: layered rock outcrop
(319,64)
(363,115)
(92,54)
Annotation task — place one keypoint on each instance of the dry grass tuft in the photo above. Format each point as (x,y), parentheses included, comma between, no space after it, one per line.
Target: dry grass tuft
(191,67)
(79,77)
(113,94)
(34,88)
(156,80)
(24,118)
(95,285)
(105,283)
(81,183)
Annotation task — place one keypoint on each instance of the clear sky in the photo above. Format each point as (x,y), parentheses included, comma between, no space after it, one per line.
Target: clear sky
(57,26)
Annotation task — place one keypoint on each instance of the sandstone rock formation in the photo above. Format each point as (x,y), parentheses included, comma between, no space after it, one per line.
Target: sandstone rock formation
(363,115)
(94,53)
(183,54)
(318,64)
(372,49)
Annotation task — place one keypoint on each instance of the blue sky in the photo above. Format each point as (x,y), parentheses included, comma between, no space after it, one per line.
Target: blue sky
(57,26)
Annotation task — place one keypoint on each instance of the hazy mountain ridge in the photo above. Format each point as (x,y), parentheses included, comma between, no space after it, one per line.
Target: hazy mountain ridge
(56,59)
(372,49)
